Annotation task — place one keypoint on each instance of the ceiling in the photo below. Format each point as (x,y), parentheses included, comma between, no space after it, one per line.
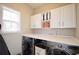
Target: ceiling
(35,5)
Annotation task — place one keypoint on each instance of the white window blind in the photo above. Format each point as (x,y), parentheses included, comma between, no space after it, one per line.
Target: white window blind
(10,20)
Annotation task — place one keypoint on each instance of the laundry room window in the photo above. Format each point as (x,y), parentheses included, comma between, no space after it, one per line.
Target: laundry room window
(10,20)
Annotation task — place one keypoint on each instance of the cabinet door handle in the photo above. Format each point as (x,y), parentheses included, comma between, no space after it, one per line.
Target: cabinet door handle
(62,23)
(59,23)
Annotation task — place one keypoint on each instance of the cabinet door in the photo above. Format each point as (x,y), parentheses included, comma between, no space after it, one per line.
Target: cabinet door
(55,18)
(68,16)
(36,21)
(40,47)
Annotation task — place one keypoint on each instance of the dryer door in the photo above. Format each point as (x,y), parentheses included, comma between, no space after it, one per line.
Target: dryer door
(59,52)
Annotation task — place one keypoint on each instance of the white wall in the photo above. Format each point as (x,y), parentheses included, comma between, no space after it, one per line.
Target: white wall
(14,40)
(77,29)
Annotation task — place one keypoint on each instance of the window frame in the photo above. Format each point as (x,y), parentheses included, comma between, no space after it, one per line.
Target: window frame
(6,20)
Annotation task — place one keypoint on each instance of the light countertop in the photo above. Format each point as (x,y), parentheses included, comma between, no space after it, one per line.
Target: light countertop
(55,38)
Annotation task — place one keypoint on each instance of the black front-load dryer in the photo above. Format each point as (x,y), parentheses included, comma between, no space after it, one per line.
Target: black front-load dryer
(60,52)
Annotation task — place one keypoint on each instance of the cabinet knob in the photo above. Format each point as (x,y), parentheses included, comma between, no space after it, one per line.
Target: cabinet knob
(60,46)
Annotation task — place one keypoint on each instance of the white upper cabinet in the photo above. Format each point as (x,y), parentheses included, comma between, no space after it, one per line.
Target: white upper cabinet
(68,16)
(36,21)
(55,18)
(64,17)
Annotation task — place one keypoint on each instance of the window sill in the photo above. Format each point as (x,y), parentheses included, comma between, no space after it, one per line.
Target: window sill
(10,32)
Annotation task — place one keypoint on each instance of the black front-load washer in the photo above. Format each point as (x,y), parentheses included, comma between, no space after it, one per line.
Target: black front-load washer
(55,48)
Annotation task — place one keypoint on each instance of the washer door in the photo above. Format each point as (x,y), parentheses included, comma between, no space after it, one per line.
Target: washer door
(59,52)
